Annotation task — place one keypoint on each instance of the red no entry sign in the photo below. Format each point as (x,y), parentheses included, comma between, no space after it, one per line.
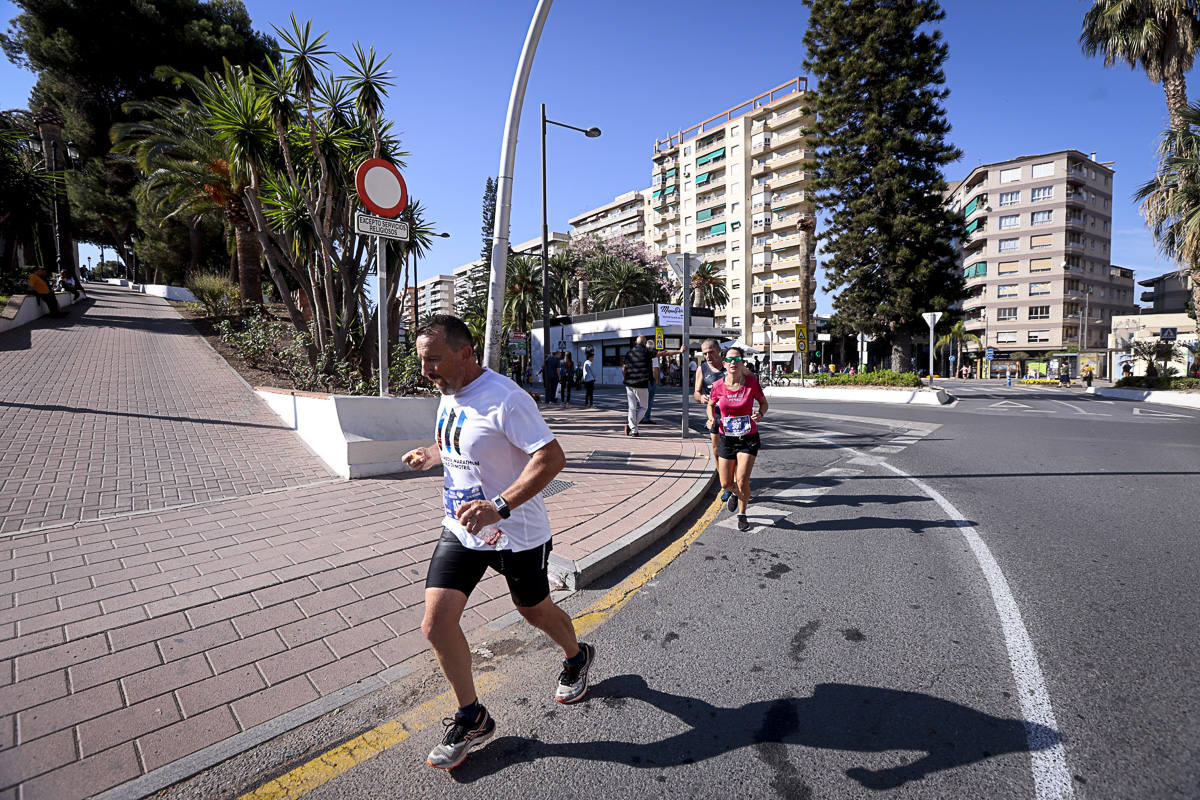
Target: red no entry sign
(380,187)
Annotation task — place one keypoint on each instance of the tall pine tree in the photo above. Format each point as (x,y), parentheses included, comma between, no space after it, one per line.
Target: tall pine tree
(474,305)
(880,138)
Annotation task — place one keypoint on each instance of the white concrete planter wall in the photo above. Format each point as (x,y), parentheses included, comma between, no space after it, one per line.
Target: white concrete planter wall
(860,395)
(356,436)
(25,308)
(169,292)
(1178,399)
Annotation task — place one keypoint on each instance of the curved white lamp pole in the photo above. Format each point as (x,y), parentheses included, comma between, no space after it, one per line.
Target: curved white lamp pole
(493,348)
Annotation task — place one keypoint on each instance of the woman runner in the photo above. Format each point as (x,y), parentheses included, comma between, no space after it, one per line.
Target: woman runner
(712,369)
(738,444)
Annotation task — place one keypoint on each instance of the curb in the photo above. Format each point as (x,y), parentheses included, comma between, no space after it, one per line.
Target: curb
(1158,398)
(577,574)
(937,397)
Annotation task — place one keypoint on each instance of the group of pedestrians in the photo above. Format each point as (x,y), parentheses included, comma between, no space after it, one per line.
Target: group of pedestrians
(497,455)
(560,376)
(40,285)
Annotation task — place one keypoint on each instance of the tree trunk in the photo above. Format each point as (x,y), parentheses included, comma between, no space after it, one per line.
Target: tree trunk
(249,268)
(234,276)
(1175,89)
(193,229)
(899,354)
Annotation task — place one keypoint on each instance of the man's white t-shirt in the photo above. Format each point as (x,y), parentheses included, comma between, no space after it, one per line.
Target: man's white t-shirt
(486,433)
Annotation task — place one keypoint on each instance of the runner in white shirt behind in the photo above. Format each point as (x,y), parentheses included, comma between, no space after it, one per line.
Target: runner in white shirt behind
(497,455)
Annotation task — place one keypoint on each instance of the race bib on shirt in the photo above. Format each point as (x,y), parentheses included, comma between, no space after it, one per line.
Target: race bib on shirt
(453,499)
(737,426)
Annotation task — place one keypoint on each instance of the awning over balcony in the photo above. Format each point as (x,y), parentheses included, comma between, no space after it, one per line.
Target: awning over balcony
(709,157)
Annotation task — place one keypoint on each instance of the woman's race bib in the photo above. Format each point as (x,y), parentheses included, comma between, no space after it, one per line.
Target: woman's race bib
(737,426)
(453,499)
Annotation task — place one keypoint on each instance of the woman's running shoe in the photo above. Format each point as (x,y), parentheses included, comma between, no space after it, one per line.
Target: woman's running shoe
(743,523)
(725,495)
(733,502)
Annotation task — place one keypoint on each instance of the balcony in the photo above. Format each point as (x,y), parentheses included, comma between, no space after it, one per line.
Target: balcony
(711,197)
(760,225)
(789,179)
(790,304)
(791,136)
(762,147)
(1078,245)
(760,269)
(780,160)
(780,201)
(784,242)
(782,119)
(784,262)
(977,179)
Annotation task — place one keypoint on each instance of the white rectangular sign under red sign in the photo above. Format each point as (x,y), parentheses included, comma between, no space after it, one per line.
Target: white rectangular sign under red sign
(370,225)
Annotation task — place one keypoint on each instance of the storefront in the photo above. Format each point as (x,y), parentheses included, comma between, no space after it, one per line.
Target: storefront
(609,334)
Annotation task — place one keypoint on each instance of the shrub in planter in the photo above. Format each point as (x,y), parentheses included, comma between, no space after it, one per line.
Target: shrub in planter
(1154,383)
(883,377)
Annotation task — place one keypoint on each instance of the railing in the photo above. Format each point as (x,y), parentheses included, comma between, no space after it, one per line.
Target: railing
(741,110)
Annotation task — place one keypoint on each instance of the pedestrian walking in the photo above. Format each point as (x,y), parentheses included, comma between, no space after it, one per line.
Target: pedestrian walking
(1064,374)
(550,371)
(1087,377)
(637,371)
(738,444)
(39,284)
(492,442)
(566,378)
(589,379)
(712,369)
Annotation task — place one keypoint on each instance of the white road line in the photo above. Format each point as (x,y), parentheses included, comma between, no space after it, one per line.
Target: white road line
(1079,410)
(1051,778)
(1048,759)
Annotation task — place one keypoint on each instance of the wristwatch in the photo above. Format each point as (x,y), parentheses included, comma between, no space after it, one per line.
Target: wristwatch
(501,506)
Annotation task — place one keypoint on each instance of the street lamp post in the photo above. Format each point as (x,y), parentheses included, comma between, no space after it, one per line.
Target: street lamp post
(591,133)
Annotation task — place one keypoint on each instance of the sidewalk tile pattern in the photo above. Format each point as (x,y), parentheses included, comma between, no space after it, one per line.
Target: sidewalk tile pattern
(130,642)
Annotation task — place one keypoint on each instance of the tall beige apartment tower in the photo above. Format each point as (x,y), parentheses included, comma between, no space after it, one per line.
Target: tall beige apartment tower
(1037,254)
(734,188)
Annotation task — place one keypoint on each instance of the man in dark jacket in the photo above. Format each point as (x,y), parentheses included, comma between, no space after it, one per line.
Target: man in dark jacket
(550,376)
(638,370)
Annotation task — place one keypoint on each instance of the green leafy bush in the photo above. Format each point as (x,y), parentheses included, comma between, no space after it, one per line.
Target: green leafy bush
(215,294)
(883,377)
(1157,383)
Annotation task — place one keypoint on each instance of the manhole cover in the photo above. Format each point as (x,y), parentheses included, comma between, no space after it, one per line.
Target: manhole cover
(555,486)
(610,456)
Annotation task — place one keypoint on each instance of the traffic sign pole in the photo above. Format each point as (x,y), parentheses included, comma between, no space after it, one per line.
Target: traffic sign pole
(931,318)
(382,313)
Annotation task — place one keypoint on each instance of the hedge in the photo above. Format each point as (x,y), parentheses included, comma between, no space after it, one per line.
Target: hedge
(883,377)
(1146,382)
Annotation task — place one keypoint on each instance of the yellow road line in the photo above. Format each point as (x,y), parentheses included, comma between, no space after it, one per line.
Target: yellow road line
(594,615)
(327,766)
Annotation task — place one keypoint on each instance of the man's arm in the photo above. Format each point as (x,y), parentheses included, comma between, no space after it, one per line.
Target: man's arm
(543,465)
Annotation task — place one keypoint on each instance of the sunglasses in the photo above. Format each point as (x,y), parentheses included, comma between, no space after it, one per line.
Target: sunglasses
(732,359)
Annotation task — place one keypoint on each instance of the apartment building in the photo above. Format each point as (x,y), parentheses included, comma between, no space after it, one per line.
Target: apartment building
(734,188)
(477,269)
(435,296)
(623,217)
(1037,253)
(1167,294)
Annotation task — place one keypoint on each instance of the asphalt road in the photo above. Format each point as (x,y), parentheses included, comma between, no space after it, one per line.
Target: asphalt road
(855,643)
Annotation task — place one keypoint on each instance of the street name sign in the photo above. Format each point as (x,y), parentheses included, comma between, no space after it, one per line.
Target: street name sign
(369,225)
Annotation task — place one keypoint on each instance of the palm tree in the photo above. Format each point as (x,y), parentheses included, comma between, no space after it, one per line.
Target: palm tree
(956,337)
(26,191)
(1159,36)
(562,282)
(620,284)
(708,287)
(1171,200)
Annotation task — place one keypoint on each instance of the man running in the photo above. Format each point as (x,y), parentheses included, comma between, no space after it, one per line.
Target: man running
(497,454)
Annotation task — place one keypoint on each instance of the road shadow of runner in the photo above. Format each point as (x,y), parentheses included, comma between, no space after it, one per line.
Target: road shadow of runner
(837,716)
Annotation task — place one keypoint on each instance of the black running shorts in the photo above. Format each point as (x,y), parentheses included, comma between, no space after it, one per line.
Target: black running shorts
(456,567)
(729,446)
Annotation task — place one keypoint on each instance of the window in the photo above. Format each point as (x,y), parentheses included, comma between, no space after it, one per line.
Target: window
(1041,218)
(1008,245)
(1042,193)
(733,131)
(1006,290)
(687,151)
(1006,337)
(1039,265)
(975,270)
(1039,312)
(1010,175)
(1036,289)
(737,264)
(1044,170)
(1010,221)
(1041,241)
(1039,336)
(1007,267)
(733,209)
(736,322)
(1006,314)
(1010,198)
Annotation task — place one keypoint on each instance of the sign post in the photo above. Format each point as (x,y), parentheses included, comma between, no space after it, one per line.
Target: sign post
(382,190)
(681,263)
(931,318)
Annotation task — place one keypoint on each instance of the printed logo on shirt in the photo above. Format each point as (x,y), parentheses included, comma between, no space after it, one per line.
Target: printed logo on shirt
(449,430)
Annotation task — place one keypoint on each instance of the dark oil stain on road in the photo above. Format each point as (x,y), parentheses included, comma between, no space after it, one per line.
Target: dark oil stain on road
(777,571)
(614,702)
(852,634)
(670,637)
(800,640)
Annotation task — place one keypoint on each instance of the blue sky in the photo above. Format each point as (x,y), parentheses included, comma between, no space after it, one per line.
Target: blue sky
(1018,82)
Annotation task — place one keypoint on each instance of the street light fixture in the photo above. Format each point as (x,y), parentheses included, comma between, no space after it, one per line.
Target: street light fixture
(590,133)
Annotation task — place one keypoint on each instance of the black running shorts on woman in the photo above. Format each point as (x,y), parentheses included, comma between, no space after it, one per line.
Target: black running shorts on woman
(729,446)
(456,567)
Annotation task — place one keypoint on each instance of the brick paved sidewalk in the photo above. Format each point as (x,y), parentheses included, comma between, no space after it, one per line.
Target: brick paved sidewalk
(131,642)
(120,407)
